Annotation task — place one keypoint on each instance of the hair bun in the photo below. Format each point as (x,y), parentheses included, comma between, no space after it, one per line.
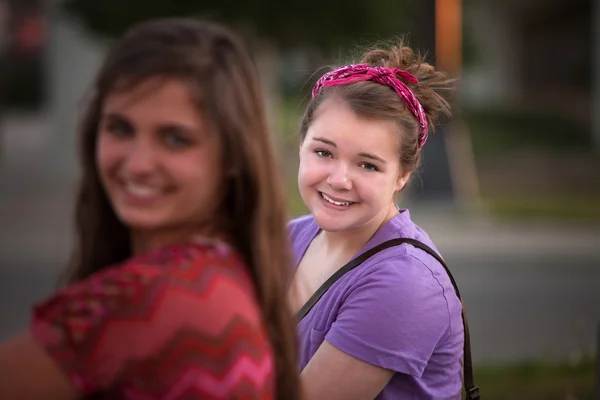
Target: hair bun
(434,87)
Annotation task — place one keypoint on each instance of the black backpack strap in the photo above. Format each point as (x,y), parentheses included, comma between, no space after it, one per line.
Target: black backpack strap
(355,262)
(472,391)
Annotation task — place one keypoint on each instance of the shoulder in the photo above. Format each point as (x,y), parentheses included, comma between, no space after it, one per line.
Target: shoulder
(187,296)
(398,273)
(405,274)
(199,268)
(190,270)
(409,260)
(300,224)
(301,232)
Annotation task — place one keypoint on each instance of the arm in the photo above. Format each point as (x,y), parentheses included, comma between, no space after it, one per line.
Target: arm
(390,322)
(332,374)
(28,373)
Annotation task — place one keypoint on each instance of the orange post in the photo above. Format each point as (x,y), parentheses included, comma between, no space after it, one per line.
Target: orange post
(448,48)
(448,35)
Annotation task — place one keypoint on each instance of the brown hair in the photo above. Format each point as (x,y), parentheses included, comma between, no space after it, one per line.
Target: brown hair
(222,77)
(373,100)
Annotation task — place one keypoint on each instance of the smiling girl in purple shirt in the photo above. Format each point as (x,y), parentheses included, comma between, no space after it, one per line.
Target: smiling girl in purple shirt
(390,328)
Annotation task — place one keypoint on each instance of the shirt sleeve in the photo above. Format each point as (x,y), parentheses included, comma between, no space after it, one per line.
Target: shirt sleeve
(144,334)
(393,316)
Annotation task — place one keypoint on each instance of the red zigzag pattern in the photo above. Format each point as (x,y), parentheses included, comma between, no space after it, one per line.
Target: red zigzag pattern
(181,323)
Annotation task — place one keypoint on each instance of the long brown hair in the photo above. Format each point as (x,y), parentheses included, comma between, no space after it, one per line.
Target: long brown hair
(223,81)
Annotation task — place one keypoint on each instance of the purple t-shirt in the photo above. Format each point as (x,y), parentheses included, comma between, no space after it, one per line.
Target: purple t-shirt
(397,310)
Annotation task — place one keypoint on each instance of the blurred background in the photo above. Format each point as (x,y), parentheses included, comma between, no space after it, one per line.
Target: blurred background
(509,188)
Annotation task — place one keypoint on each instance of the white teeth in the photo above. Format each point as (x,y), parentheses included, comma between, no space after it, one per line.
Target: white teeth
(141,191)
(337,203)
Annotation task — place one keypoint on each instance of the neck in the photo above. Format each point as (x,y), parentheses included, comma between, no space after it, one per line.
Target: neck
(143,242)
(351,241)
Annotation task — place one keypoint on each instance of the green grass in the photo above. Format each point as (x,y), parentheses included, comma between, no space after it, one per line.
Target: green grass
(556,208)
(537,380)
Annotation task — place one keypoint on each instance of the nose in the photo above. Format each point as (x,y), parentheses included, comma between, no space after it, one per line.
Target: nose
(339,177)
(140,159)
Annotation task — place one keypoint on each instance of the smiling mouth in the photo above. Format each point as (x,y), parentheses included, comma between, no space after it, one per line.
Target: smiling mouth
(141,191)
(335,202)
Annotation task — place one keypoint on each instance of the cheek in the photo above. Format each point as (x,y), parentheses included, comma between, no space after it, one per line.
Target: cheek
(198,172)
(379,189)
(310,171)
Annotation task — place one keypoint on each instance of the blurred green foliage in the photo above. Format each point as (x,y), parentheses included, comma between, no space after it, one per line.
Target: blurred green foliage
(323,24)
(496,130)
(569,207)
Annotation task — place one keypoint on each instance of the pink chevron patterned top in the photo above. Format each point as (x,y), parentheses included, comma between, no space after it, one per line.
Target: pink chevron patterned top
(182,322)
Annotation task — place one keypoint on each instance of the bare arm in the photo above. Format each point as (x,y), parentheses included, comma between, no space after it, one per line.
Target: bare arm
(334,375)
(28,373)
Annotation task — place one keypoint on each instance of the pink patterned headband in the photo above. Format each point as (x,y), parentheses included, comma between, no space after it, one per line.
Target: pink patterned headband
(384,76)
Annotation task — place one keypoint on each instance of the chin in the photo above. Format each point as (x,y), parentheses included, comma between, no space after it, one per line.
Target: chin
(141,222)
(331,224)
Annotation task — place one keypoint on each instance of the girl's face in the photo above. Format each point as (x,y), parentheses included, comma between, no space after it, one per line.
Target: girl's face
(157,158)
(349,169)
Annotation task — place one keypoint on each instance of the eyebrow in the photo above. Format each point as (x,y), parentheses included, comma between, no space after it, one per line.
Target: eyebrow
(112,115)
(326,141)
(372,157)
(364,155)
(161,126)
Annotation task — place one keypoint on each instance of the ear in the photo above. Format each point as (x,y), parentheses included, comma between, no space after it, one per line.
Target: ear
(402,181)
